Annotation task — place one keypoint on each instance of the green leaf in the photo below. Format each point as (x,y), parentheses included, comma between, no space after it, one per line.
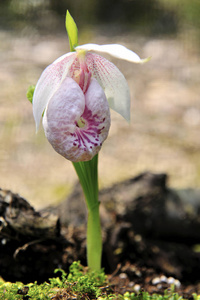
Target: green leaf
(30,92)
(72,31)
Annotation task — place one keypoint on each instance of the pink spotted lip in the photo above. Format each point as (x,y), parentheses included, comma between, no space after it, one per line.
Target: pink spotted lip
(76,124)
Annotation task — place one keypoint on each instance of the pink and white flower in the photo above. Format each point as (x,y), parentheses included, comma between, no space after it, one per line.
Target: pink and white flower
(75,93)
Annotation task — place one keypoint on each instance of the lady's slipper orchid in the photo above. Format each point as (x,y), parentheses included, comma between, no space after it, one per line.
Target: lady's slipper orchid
(75,93)
(77,123)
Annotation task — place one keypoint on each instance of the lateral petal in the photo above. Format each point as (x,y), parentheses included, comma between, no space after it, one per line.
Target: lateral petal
(115,50)
(113,83)
(49,82)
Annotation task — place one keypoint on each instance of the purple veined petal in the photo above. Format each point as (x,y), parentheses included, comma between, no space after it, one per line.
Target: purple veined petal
(113,83)
(115,50)
(49,82)
(97,114)
(76,124)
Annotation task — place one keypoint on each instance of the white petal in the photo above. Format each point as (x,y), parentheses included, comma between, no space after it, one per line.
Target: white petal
(49,82)
(63,111)
(113,83)
(115,50)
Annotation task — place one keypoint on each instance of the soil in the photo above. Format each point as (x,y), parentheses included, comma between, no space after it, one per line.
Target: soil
(138,254)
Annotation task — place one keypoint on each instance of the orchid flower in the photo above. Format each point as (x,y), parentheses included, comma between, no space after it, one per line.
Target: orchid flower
(74,96)
(74,93)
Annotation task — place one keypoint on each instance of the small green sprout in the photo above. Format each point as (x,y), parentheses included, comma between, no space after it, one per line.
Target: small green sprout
(30,92)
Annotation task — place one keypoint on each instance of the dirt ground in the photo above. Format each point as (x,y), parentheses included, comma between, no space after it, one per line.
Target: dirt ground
(163,135)
(150,240)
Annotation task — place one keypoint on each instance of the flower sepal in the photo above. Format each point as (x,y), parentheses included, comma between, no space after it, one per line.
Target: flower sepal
(115,50)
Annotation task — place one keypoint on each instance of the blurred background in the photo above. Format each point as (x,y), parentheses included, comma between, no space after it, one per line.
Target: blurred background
(163,135)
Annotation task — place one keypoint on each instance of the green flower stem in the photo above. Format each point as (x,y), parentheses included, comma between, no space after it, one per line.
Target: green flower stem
(94,239)
(88,175)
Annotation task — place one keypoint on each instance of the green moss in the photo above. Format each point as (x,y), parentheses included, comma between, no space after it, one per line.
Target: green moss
(88,283)
(78,284)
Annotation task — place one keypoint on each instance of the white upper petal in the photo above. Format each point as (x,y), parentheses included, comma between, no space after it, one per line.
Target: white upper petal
(113,83)
(49,82)
(115,50)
